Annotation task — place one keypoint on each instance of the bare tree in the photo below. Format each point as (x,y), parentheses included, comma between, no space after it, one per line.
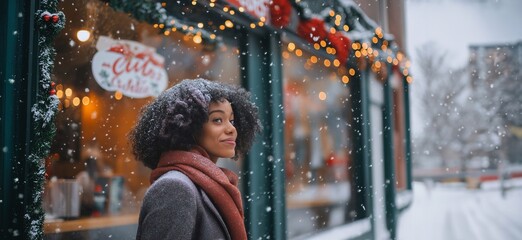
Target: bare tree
(458,126)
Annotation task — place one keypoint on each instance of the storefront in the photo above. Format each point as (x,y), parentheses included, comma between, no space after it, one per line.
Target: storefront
(331,87)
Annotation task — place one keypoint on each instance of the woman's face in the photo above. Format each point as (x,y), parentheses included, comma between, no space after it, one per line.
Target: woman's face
(218,136)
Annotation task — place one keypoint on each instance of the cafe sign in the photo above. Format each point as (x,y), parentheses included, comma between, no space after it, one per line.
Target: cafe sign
(130,67)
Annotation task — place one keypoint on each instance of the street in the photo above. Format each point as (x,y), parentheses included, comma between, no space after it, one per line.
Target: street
(453,212)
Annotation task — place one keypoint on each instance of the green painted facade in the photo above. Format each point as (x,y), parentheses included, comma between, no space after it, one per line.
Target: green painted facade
(261,73)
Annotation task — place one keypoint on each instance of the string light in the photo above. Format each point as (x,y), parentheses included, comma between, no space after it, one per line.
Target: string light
(298,52)
(76,101)
(229,24)
(197,39)
(327,63)
(118,95)
(68,92)
(329,50)
(86,101)
(322,96)
(291,46)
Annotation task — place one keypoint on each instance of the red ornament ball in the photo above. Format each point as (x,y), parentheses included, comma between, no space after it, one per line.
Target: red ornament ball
(52,92)
(53,84)
(55,18)
(46,17)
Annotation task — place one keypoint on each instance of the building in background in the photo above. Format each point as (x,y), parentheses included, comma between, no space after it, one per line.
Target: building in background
(333,160)
(496,68)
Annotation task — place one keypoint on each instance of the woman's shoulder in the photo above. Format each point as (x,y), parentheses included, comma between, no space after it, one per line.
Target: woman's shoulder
(174,175)
(173,182)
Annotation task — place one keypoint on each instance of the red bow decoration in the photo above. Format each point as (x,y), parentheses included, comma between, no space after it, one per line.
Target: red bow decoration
(341,44)
(280,12)
(312,30)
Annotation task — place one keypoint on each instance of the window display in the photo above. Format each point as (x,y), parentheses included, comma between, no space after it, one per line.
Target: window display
(317,143)
(109,65)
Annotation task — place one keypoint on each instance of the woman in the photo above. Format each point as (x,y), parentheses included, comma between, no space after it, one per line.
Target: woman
(180,136)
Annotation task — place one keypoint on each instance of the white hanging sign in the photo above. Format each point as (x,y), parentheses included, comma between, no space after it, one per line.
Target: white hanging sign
(130,67)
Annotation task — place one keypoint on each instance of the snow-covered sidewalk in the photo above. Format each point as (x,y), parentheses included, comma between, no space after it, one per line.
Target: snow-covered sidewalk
(452,212)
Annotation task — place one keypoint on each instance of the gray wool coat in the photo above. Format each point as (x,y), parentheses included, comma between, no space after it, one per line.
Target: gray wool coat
(174,208)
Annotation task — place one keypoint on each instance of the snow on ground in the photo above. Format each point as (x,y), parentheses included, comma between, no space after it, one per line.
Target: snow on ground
(453,212)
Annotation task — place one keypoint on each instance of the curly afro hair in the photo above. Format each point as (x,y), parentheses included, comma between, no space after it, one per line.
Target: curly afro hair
(178,114)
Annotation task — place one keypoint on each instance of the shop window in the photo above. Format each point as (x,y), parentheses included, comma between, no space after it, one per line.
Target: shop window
(318,148)
(91,172)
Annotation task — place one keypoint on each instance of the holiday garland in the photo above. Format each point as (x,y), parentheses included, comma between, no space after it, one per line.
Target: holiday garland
(49,23)
(154,12)
(369,45)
